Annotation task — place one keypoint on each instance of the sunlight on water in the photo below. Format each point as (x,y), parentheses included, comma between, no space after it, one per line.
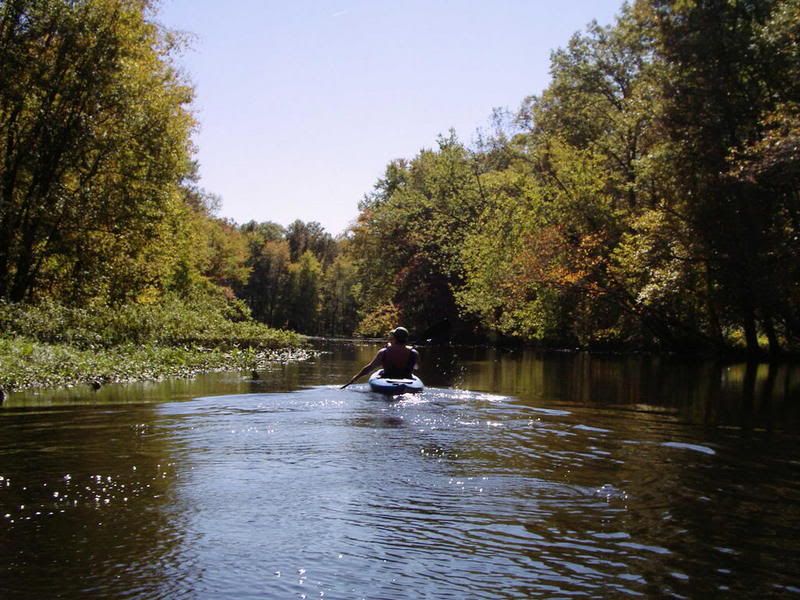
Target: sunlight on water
(693,447)
(319,492)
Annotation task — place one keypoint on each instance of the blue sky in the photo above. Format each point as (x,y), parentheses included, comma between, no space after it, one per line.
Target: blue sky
(302,103)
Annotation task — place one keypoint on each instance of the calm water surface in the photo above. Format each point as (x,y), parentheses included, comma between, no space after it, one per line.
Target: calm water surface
(513,475)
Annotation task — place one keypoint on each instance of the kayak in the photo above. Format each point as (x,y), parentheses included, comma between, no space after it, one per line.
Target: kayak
(383,385)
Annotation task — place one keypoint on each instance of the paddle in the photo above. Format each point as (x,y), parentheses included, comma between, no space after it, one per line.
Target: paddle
(367,368)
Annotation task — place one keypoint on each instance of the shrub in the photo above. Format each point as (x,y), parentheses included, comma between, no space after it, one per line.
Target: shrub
(206,320)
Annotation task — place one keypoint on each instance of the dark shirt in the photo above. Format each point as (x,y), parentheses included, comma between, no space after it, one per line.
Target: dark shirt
(398,362)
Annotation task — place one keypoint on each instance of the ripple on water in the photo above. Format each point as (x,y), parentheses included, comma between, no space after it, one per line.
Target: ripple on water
(342,493)
(692,447)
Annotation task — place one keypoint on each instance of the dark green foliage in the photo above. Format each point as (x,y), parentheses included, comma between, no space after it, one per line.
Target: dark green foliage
(310,237)
(51,344)
(409,236)
(299,278)
(267,290)
(210,321)
(648,197)
(338,315)
(94,142)
(715,113)
(29,363)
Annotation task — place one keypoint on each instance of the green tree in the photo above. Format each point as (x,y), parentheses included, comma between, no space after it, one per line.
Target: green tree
(268,289)
(94,144)
(311,237)
(339,308)
(303,303)
(537,266)
(652,194)
(408,238)
(258,233)
(726,87)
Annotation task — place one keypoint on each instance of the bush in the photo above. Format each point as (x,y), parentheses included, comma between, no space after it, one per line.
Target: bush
(28,363)
(379,322)
(205,320)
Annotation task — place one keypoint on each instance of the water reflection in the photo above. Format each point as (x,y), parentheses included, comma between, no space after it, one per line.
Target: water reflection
(377,421)
(87,497)
(747,396)
(703,392)
(513,475)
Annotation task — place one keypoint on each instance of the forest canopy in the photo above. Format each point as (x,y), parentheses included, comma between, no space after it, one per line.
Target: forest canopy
(94,147)
(647,198)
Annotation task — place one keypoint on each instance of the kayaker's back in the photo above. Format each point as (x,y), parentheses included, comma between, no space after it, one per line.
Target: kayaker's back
(398,361)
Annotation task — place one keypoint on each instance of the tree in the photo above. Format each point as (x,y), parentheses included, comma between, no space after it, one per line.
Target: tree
(268,289)
(725,90)
(310,237)
(303,302)
(258,233)
(407,240)
(94,144)
(538,265)
(338,305)
(227,264)
(648,196)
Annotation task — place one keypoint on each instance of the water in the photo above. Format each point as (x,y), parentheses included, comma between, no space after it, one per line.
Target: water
(514,475)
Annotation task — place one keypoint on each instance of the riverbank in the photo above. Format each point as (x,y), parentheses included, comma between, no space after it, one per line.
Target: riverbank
(51,345)
(27,364)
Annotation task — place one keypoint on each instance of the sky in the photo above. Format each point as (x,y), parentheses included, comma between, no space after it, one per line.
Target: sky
(302,103)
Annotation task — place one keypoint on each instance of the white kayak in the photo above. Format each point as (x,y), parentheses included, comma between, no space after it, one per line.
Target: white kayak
(384,385)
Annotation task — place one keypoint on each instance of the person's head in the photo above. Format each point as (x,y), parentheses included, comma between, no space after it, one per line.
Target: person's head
(399,335)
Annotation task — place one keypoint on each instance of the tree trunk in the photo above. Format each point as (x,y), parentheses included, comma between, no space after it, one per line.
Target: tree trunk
(772,336)
(711,310)
(750,332)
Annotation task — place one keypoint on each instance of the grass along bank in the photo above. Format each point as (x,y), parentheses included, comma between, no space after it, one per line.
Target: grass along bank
(52,345)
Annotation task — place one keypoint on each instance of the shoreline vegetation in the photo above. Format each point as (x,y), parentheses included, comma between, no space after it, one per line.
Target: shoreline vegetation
(647,200)
(51,345)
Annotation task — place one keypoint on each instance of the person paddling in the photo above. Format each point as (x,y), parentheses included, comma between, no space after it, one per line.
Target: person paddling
(397,360)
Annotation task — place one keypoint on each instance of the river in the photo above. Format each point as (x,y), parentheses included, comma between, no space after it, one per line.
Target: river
(514,475)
